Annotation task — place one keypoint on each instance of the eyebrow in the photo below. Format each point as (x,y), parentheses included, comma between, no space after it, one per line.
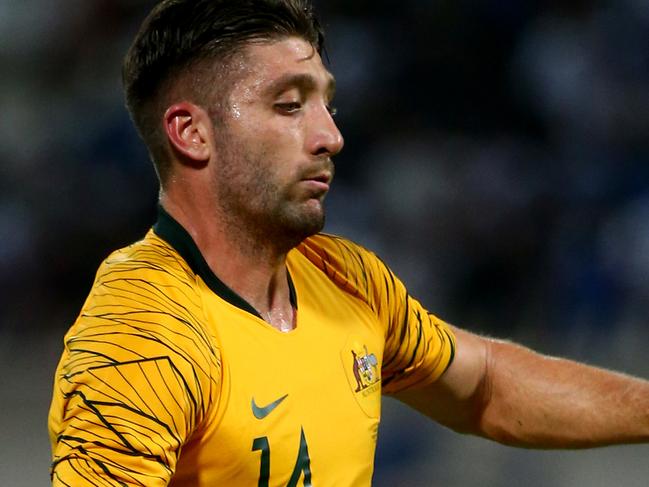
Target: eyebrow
(303,81)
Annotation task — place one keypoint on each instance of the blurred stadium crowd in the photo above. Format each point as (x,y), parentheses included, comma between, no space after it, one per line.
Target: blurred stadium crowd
(497,157)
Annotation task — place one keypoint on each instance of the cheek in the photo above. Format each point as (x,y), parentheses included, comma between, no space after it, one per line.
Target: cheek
(286,139)
(282,150)
(274,145)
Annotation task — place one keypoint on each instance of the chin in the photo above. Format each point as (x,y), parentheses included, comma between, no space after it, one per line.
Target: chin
(309,227)
(298,229)
(291,224)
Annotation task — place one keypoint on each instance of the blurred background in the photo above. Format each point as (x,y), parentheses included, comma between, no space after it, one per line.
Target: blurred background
(497,157)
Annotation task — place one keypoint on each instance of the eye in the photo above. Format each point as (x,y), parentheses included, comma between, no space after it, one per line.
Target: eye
(288,108)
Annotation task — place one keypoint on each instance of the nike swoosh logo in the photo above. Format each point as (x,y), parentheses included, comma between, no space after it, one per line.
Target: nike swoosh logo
(262,412)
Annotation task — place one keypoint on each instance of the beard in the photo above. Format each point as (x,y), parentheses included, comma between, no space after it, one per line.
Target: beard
(258,207)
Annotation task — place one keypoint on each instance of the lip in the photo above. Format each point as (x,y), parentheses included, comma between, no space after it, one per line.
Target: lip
(320,181)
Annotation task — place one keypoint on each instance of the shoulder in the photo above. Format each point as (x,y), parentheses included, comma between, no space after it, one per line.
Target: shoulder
(351,266)
(331,251)
(147,276)
(139,358)
(145,298)
(149,258)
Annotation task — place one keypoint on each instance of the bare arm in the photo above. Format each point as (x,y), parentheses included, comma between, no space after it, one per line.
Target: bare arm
(515,396)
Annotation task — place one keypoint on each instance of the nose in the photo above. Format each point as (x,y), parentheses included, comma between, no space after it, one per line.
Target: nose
(324,138)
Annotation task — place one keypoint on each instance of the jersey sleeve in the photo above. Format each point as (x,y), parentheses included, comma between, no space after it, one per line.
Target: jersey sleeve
(138,375)
(419,346)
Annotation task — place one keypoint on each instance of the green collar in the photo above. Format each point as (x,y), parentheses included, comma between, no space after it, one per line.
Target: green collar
(175,235)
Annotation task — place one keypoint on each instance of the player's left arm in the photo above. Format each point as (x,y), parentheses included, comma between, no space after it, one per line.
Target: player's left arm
(515,396)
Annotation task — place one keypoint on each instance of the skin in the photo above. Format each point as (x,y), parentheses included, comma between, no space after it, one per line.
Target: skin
(251,188)
(510,394)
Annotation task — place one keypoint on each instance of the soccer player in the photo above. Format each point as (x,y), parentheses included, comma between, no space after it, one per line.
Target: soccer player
(236,345)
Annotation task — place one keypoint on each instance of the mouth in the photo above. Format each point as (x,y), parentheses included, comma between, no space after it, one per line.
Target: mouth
(319,182)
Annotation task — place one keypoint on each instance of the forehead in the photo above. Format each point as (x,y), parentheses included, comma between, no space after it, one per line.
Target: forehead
(286,61)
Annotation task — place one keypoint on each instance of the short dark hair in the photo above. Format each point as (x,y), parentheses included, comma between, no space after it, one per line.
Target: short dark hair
(182,34)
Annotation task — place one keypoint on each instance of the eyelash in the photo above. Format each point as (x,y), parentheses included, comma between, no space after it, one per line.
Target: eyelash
(289,108)
(292,107)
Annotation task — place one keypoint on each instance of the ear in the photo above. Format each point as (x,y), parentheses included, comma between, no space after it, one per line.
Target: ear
(189,131)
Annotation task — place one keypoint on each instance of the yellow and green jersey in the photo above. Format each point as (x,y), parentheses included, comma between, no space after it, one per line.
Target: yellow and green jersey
(168,377)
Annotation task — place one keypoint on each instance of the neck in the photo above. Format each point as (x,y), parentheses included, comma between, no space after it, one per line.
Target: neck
(254,269)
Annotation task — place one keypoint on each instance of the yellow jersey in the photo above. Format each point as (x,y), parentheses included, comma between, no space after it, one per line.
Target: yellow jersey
(168,377)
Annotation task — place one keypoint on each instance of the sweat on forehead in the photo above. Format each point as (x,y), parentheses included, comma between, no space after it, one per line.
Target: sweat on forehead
(271,68)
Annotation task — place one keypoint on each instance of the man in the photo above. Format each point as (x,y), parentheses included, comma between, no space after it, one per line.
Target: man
(234,344)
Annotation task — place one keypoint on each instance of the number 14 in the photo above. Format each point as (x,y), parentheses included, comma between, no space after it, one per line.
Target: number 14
(302,464)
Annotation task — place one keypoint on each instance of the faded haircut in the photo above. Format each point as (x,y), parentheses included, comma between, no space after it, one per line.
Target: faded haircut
(193,42)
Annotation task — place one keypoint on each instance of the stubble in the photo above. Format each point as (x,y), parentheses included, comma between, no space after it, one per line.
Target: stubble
(260,209)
